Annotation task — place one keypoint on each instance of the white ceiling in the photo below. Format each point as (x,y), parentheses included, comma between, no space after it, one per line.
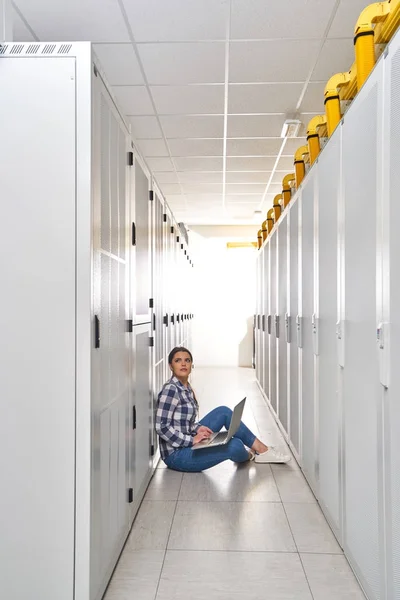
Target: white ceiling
(207,85)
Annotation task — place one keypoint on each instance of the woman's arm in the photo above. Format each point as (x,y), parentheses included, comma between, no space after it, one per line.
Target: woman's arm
(167,404)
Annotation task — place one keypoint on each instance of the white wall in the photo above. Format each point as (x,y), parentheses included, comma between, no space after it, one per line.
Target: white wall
(224,300)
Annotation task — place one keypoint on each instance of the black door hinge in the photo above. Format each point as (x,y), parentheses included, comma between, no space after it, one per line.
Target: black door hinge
(129,325)
(151,342)
(151,195)
(165,320)
(96,331)
(172,230)
(181,246)
(133,234)
(151,303)
(134,417)
(154,322)
(178,318)
(173,319)
(152,450)
(130,159)
(165,217)
(177,238)
(130,495)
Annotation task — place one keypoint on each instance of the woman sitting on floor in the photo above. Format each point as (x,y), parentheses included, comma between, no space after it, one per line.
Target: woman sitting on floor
(178,430)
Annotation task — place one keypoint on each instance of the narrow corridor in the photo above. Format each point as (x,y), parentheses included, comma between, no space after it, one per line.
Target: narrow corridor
(249,531)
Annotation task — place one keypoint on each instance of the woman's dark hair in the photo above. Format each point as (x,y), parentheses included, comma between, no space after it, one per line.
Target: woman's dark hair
(175,351)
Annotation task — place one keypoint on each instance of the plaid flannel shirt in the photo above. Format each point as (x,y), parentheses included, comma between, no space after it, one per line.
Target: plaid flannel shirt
(176,417)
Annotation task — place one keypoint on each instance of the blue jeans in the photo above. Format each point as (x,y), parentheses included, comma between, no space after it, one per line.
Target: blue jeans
(194,461)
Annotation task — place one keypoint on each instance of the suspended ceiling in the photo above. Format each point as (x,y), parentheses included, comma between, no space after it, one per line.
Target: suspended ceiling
(207,84)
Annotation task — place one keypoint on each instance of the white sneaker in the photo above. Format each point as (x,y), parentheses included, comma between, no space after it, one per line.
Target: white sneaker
(272,456)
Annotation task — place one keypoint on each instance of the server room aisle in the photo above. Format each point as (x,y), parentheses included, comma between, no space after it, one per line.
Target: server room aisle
(250,531)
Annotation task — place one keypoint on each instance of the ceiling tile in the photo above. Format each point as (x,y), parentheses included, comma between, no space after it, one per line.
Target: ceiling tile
(189,177)
(177,20)
(165,177)
(278,176)
(21,33)
(160,164)
(273,60)
(196,147)
(313,100)
(255,147)
(346,18)
(153,147)
(183,63)
(258,163)
(275,188)
(198,164)
(195,99)
(133,100)
(264,98)
(292,145)
(336,56)
(171,188)
(145,128)
(202,188)
(193,126)
(286,164)
(258,19)
(75,20)
(203,199)
(244,188)
(255,125)
(119,63)
(243,198)
(241,211)
(248,177)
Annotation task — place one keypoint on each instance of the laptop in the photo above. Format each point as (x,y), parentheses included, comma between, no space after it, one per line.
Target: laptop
(221,438)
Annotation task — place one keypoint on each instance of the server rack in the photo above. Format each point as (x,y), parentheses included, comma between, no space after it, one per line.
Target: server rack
(83,349)
(343,294)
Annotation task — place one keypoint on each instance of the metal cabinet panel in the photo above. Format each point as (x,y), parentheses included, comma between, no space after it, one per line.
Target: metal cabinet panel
(294,397)
(308,420)
(143,407)
(111,394)
(282,299)
(38,319)
(389,319)
(262,321)
(273,359)
(361,389)
(267,311)
(329,188)
(142,253)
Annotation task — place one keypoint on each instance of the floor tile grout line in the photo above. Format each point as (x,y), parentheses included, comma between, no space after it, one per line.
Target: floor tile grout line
(166,545)
(294,539)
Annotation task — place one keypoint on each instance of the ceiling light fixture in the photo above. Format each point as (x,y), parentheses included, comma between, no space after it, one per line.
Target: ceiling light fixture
(290,128)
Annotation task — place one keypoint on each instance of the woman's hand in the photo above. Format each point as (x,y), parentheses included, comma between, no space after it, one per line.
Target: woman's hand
(200,437)
(204,429)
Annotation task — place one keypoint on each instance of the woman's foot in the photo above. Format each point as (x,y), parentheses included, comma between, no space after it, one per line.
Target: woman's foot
(272,455)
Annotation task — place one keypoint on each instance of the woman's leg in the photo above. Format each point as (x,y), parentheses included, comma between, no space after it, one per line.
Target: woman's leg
(194,461)
(221,417)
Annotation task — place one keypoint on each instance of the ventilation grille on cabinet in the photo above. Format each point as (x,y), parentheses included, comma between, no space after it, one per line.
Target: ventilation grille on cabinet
(64,48)
(32,49)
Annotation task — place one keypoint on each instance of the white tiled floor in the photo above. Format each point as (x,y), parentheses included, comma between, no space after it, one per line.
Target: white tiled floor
(235,531)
